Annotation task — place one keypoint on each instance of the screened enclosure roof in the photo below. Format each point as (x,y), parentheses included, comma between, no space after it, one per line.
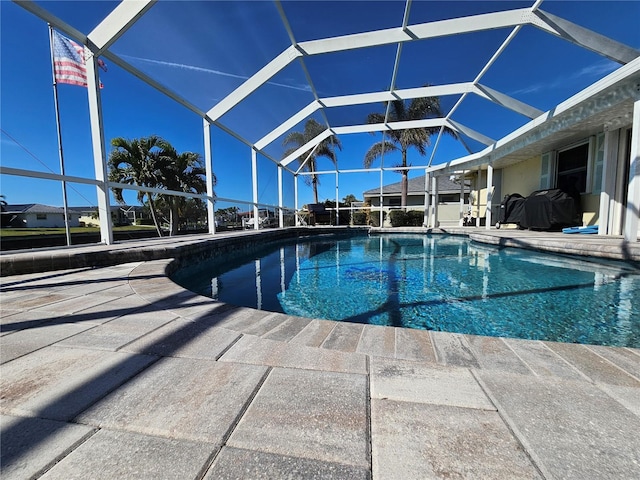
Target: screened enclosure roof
(260,70)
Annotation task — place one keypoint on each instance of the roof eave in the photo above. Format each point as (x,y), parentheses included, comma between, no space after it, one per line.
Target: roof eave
(606,94)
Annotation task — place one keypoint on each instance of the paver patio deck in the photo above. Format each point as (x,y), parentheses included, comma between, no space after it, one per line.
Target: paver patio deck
(117,372)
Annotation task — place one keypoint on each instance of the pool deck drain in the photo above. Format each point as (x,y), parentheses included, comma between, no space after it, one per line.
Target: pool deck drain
(117,372)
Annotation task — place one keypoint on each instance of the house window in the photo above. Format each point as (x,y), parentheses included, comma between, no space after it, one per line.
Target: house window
(573,168)
(41,216)
(449,197)
(394,202)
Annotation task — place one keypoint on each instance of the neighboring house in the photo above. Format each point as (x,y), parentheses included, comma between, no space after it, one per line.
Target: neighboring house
(120,214)
(449,207)
(36,215)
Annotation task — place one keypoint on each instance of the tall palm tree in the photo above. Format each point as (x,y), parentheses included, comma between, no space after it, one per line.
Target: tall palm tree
(325,148)
(137,162)
(401,140)
(182,172)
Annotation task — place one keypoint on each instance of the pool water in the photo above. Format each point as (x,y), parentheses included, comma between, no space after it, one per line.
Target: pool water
(439,282)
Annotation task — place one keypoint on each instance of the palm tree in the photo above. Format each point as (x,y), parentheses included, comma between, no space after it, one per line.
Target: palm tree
(401,140)
(182,172)
(325,148)
(6,219)
(137,162)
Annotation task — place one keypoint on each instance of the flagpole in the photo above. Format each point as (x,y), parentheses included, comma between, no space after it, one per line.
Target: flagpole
(60,151)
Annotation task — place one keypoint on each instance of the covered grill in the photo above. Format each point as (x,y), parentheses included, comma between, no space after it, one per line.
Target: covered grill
(551,209)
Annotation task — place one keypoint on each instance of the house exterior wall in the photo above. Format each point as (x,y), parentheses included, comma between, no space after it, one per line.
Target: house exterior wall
(412,201)
(448,212)
(590,209)
(479,192)
(53,220)
(522,178)
(89,221)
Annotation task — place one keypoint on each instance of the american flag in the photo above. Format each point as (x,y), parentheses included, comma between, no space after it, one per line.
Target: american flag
(69,61)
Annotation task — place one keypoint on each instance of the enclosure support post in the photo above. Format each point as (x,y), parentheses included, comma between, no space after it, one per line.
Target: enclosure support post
(607,188)
(462,199)
(434,201)
(633,195)
(381,197)
(489,196)
(478,178)
(280,204)
(208,164)
(337,201)
(254,181)
(99,156)
(425,221)
(295,199)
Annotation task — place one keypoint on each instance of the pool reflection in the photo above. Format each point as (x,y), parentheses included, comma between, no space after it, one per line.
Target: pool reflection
(434,282)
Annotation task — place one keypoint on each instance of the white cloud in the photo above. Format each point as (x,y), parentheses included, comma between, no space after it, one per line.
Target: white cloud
(595,70)
(303,88)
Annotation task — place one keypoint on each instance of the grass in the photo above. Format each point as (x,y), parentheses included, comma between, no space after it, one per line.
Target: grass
(27,232)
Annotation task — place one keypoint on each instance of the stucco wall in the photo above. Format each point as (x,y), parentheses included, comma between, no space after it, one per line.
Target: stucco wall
(448,213)
(591,209)
(479,188)
(522,178)
(89,221)
(52,220)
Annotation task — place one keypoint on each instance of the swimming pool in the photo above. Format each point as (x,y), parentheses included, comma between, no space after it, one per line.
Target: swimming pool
(433,282)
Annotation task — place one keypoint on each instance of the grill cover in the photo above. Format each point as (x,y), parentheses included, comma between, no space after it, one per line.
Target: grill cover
(551,209)
(512,209)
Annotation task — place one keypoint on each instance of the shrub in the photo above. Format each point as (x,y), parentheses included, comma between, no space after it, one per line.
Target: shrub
(144,221)
(359,218)
(374,218)
(398,218)
(415,218)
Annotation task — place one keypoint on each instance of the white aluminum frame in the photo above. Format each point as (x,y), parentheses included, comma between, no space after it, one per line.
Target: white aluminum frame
(622,84)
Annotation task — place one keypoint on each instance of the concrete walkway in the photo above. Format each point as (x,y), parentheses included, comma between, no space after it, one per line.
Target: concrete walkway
(117,372)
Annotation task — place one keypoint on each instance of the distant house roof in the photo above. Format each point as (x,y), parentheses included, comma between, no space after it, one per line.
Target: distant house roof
(32,208)
(416,187)
(114,208)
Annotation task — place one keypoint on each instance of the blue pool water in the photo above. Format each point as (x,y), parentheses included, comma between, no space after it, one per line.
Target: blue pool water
(439,282)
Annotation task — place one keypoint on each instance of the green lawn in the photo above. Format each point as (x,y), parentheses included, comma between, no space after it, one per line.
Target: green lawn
(24,232)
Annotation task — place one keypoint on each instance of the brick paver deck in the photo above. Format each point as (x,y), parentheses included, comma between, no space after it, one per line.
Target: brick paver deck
(116,372)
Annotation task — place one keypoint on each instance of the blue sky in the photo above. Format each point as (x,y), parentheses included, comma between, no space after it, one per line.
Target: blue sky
(204,50)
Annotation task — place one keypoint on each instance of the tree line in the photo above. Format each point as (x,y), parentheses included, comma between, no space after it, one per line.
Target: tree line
(153,162)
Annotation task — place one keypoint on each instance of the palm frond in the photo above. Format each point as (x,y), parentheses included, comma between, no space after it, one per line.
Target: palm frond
(374,118)
(398,112)
(376,151)
(295,139)
(425,107)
